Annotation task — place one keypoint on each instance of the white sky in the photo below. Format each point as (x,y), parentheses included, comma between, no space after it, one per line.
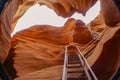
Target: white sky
(43,15)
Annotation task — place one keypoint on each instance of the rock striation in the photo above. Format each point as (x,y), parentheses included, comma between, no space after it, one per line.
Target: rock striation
(16,8)
(44,45)
(40,49)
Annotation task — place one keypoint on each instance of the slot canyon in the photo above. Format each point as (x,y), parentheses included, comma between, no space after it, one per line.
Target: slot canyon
(37,53)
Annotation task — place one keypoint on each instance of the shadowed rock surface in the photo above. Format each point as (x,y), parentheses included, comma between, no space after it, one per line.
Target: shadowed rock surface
(39,50)
(43,45)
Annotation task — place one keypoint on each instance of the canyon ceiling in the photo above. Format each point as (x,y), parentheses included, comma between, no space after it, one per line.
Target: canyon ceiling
(41,47)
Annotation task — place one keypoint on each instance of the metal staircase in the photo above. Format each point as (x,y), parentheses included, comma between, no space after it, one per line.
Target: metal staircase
(76,66)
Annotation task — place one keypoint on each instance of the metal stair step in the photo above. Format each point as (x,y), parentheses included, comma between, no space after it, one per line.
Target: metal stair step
(79,66)
(78,78)
(73,57)
(75,71)
(74,62)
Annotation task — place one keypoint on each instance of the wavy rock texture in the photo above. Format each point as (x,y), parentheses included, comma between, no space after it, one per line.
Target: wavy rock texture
(34,47)
(109,48)
(63,8)
(44,45)
(41,47)
(5,28)
(50,73)
(113,17)
(16,8)
(98,24)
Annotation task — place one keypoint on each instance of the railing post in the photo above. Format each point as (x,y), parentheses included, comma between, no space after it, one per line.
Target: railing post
(64,76)
(95,78)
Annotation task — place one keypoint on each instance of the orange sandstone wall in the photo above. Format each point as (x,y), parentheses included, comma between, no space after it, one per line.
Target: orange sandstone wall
(16,8)
(42,46)
(54,39)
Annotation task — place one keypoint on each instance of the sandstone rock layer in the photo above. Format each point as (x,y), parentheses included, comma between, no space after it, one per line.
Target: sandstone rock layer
(41,47)
(44,45)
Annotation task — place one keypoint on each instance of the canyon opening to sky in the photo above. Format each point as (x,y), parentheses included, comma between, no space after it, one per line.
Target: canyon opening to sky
(42,15)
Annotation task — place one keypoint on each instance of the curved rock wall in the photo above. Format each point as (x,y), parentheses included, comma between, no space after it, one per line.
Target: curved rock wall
(5,28)
(44,45)
(109,60)
(16,8)
(110,12)
(54,39)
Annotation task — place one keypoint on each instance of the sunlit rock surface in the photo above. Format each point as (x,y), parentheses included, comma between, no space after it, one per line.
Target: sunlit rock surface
(16,8)
(98,24)
(41,48)
(50,73)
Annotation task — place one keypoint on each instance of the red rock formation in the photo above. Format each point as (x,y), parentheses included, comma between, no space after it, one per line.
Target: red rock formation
(109,60)
(5,28)
(110,12)
(98,24)
(16,8)
(33,49)
(50,73)
(43,45)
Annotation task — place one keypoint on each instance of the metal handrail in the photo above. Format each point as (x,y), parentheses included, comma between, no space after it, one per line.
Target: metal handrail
(85,68)
(64,76)
(95,78)
(83,62)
